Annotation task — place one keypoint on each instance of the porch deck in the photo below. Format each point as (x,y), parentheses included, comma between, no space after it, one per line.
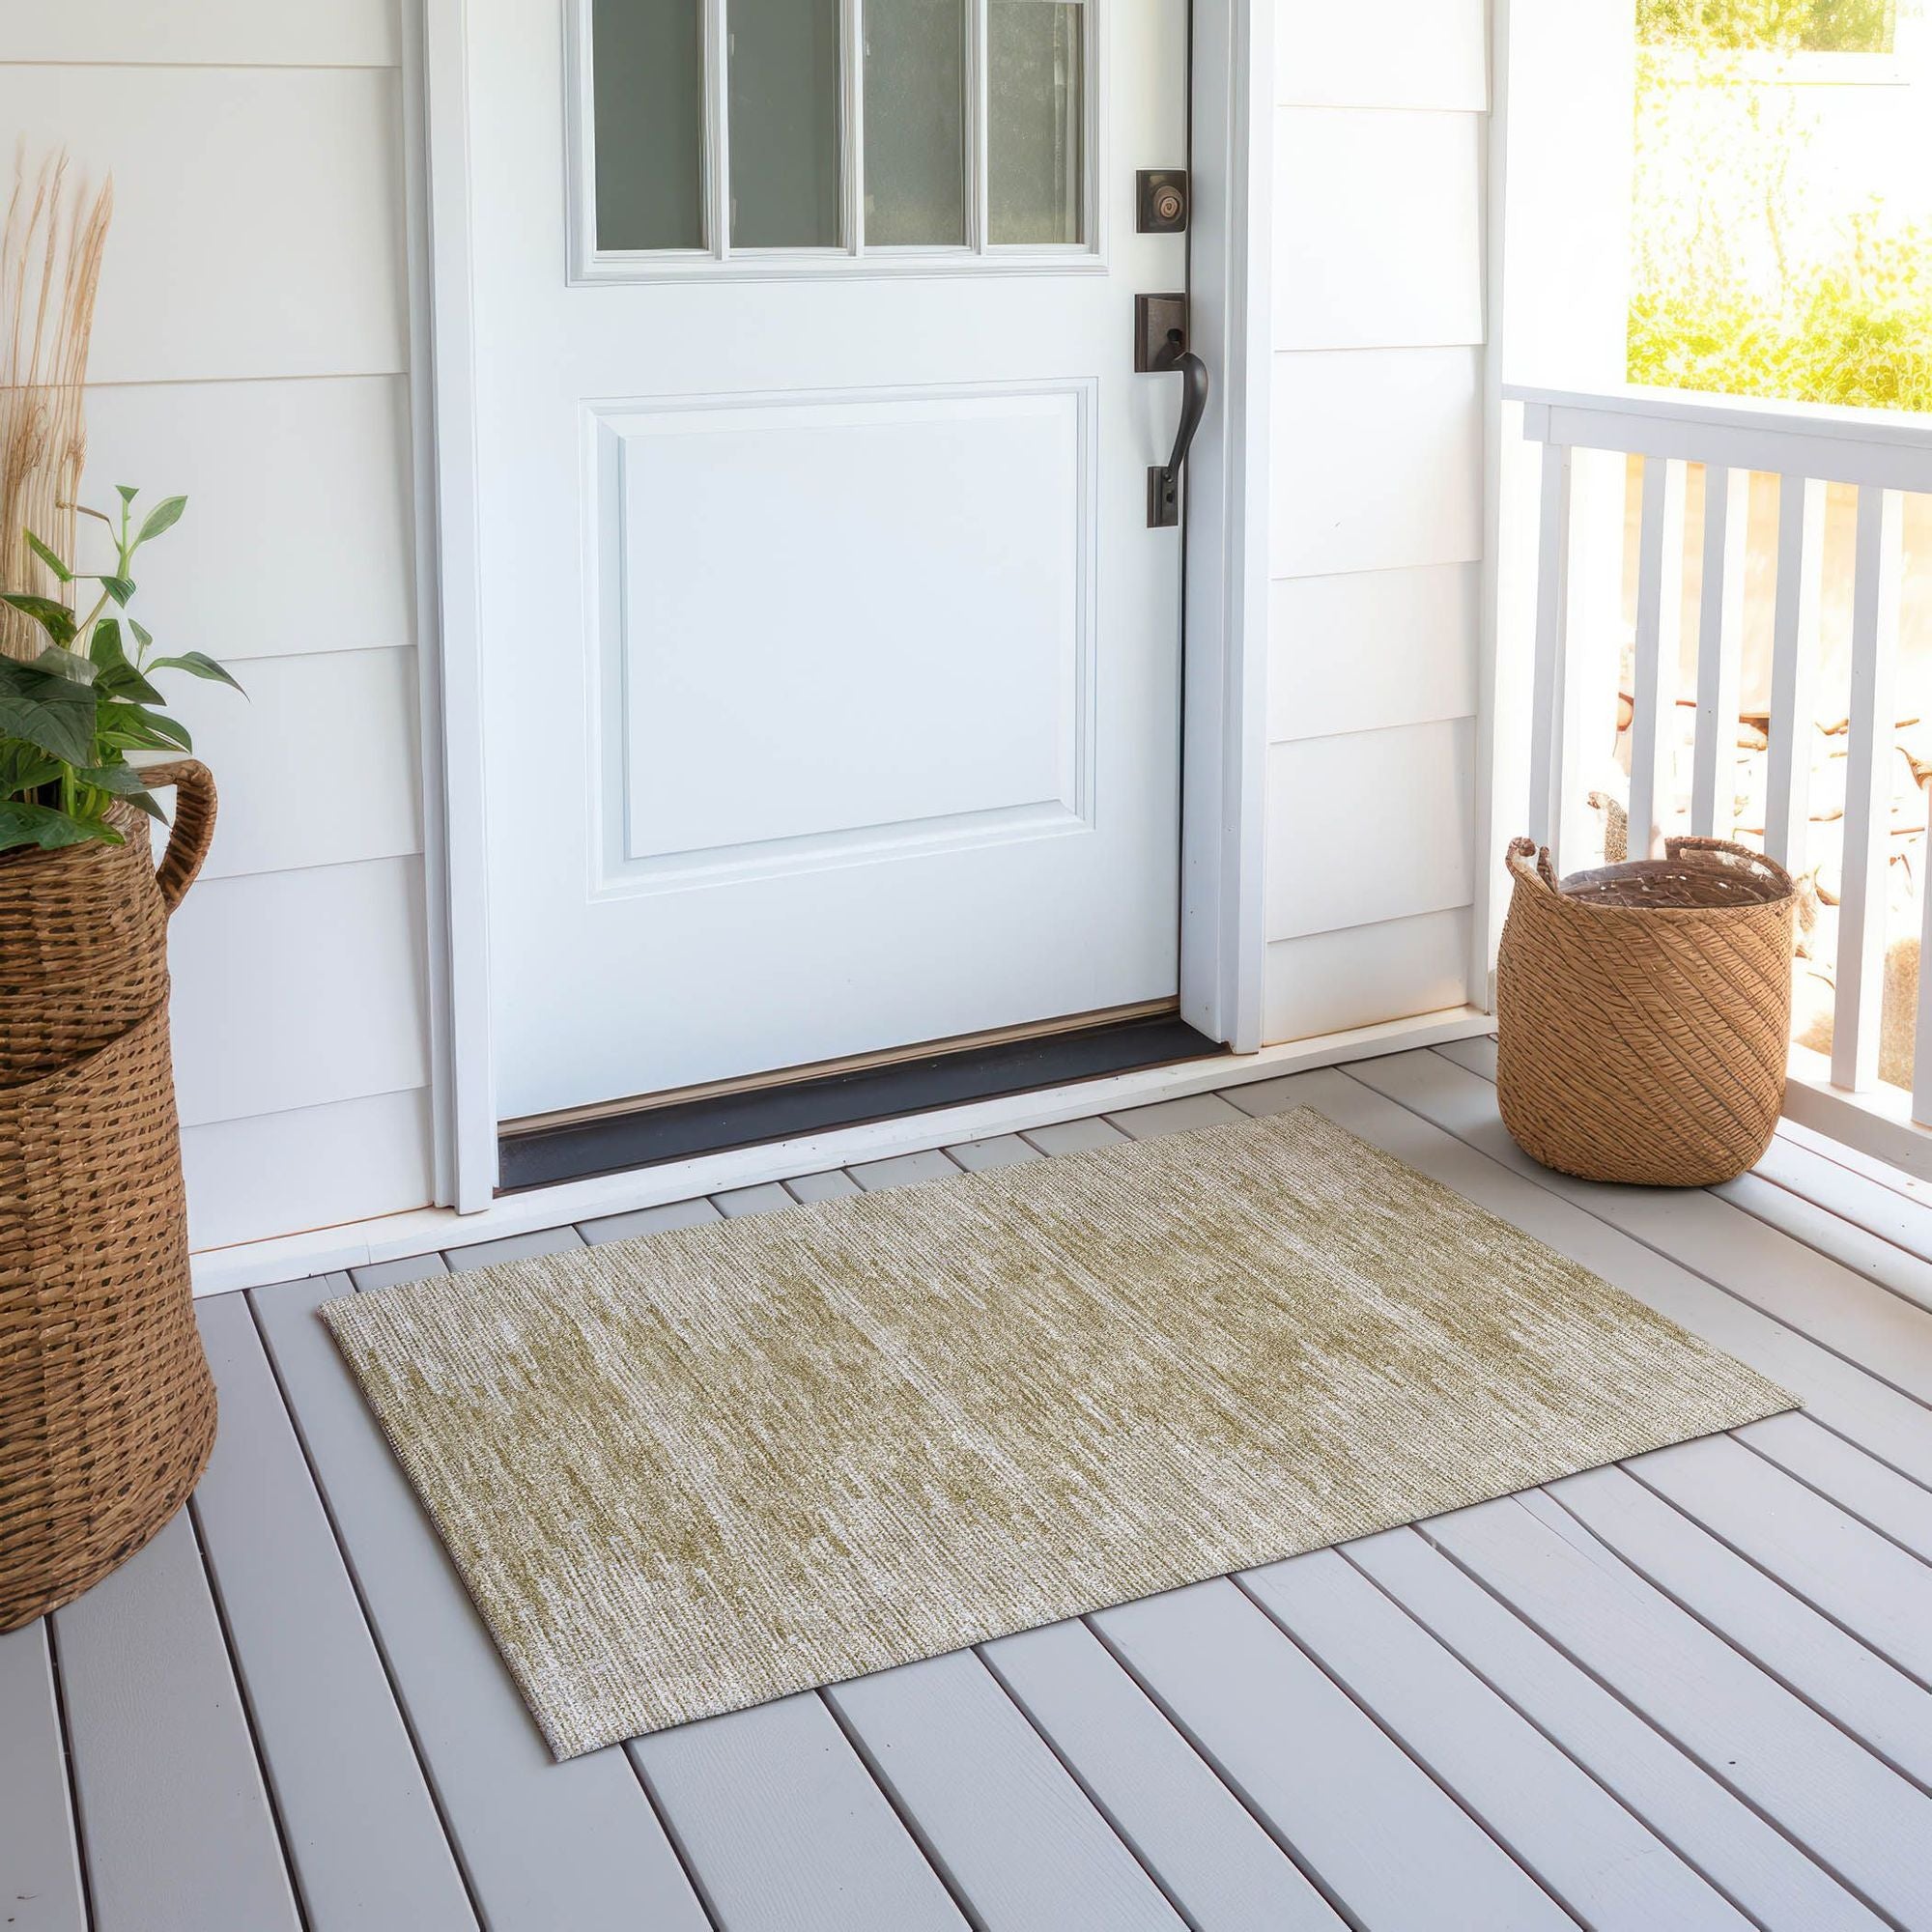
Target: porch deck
(1687,1692)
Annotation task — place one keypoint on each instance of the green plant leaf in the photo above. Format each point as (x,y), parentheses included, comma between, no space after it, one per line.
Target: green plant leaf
(57,661)
(55,620)
(127,491)
(164,516)
(126,728)
(119,589)
(198,664)
(118,677)
(43,826)
(48,556)
(144,637)
(25,768)
(123,782)
(50,713)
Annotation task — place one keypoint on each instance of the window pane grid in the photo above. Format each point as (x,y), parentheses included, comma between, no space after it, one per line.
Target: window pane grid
(810,131)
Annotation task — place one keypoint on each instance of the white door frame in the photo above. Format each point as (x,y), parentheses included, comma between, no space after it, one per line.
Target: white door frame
(1224,728)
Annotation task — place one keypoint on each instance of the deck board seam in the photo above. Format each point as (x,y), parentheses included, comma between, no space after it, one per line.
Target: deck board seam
(349,1570)
(1645,1717)
(1087,1791)
(1556,1744)
(949,1881)
(1771,1577)
(1825,1495)
(1276,1836)
(1402,1743)
(679,1850)
(297,1895)
(76,1822)
(1904,1253)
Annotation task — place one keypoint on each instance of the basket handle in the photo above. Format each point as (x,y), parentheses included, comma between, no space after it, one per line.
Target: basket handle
(193,827)
(1543,872)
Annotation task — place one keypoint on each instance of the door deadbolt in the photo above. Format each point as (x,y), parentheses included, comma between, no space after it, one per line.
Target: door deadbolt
(1162,200)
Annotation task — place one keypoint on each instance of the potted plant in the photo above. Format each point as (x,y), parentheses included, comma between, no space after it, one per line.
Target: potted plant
(106,1405)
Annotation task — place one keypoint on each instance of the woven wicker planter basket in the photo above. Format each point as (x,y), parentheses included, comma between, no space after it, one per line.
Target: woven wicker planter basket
(1644,1012)
(106,1405)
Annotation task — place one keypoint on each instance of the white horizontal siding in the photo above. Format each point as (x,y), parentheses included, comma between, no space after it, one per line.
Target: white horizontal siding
(218,32)
(258,214)
(1326,982)
(315,766)
(296,537)
(1370,826)
(250,351)
(1378,460)
(1377,501)
(1411,275)
(298,988)
(281,1173)
(1415,628)
(1401,53)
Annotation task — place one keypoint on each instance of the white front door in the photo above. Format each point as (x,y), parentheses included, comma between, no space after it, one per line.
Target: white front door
(832,669)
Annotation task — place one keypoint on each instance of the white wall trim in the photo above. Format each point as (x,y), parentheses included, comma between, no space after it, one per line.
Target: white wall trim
(463,1104)
(1224,720)
(423,1229)
(1223,951)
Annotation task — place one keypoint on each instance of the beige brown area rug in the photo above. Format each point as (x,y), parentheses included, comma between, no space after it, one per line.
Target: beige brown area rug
(684,1474)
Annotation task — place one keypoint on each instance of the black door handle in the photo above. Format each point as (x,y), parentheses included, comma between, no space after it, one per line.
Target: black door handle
(1164,483)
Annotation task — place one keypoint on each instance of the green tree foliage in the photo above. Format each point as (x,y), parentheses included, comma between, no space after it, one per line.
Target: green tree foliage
(1740,285)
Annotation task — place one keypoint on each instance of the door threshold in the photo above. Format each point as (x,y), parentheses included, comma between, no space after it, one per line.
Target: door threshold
(715,1122)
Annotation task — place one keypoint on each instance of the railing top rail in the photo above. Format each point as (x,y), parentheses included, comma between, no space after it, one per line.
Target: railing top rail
(1889,447)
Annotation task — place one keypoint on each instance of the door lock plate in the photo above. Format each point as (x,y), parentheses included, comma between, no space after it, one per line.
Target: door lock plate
(1160,332)
(1161,198)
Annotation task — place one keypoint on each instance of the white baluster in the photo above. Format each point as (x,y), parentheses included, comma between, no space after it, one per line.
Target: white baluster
(1794,662)
(1871,752)
(1659,605)
(1719,652)
(1553,623)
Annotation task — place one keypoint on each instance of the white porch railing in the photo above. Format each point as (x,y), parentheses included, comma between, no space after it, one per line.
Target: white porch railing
(1744,447)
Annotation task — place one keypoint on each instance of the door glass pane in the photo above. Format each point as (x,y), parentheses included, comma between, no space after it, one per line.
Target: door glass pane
(784,123)
(1035,102)
(915,123)
(649,103)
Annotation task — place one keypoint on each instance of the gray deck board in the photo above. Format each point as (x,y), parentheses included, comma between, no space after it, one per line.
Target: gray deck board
(833,1184)
(1001,1151)
(40,1856)
(314,1681)
(767,1198)
(175,1822)
(904,1170)
(1308,1760)
(1591,1853)
(1712,1829)
(1073,1136)
(999,1815)
(1217,1862)
(1831,1670)
(544,1845)
(1863,1584)
(392,1274)
(1861,1821)
(1880,1498)
(786,1827)
(1687,1692)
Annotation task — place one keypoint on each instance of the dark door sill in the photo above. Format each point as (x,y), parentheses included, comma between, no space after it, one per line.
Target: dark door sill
(546,1155)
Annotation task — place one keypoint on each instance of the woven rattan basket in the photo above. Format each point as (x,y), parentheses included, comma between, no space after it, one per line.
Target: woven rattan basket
(1644,1012)
(106,1405)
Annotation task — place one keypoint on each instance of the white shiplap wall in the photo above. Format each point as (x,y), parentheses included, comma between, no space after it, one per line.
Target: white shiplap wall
(251,349)
(1377,494)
